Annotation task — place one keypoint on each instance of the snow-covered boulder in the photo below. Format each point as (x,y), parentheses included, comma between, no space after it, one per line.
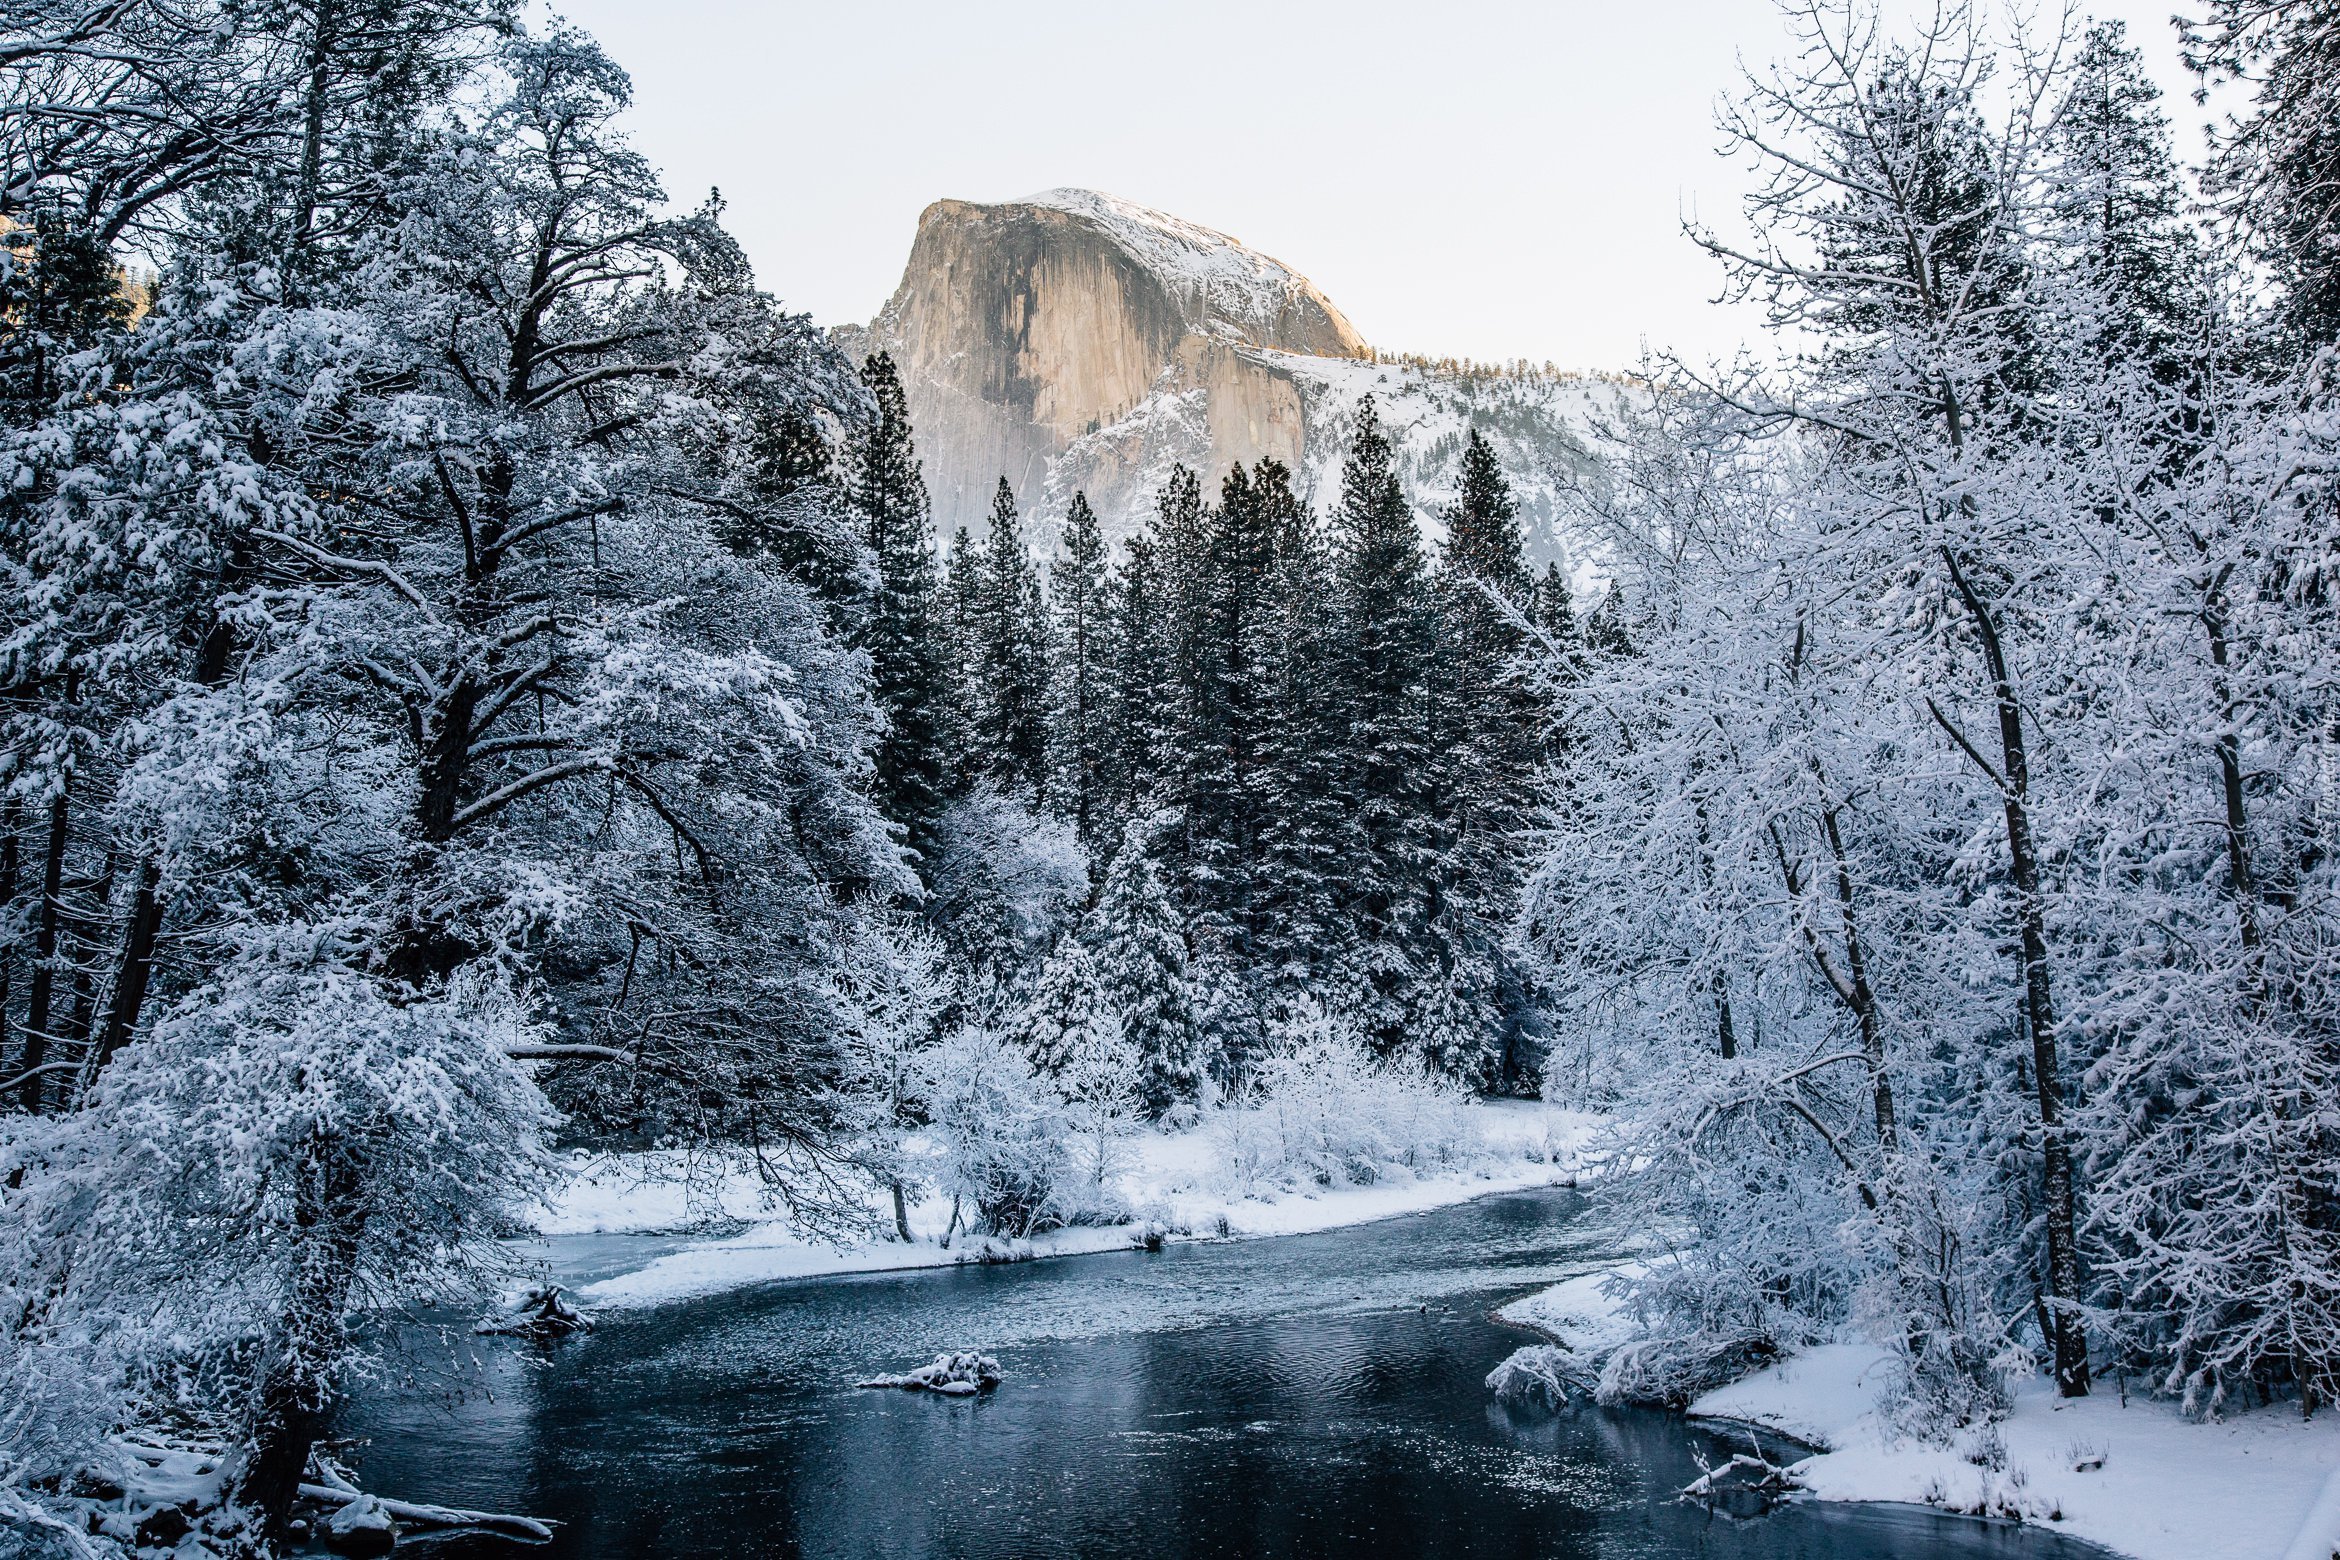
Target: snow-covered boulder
(363,1527)
(960,1373)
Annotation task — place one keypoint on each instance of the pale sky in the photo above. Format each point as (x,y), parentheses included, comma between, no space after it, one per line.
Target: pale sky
(1486,178)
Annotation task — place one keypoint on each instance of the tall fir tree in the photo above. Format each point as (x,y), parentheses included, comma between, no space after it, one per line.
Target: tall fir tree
(1381,668)
(1142,686)
(2278,168)
(1070,1013)
(1308,837)
(2116,215)
(1227,709)
(800,518)
(1489,726)
(1009,672)
(959,618)
(901,634)
(1080,597)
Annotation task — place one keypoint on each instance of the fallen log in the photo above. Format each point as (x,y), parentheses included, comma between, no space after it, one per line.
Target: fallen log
(530,1529)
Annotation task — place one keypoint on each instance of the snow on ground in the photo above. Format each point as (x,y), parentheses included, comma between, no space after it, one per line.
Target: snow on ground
(1173,1182)
(1577,1312)
(2139,1478)
(2167,1488)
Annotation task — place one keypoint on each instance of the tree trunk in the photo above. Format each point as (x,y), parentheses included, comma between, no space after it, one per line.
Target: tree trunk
(2068,1338)
(307,190)
(1726,1034)
(296,1394)
(31,1092)
(2241,882)
(130,978)
(134,974)
(901,1213)
(8,850)
(1863,995)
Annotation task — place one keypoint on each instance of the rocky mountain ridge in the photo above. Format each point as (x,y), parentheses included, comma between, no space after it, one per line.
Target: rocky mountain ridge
(1075,341)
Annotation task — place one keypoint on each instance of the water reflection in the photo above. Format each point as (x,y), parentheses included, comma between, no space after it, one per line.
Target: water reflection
(1309,1396)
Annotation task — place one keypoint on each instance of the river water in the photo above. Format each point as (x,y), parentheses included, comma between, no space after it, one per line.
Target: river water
(1311,1396)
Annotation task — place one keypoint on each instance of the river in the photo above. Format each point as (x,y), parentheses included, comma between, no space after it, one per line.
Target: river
(1311,1395)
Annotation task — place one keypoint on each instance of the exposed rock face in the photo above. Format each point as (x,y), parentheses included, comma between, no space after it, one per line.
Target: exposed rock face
(1076,341)
(1020,328)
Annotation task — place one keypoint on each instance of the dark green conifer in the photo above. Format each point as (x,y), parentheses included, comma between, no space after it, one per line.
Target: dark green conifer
(900,633)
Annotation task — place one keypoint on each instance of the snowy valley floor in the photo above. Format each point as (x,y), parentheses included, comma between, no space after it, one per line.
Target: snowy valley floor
(2138,1478)
(1173,1181)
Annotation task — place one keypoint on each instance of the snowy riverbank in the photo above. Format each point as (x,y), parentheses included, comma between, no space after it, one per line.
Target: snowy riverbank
(2139,1478)
(1175,1181)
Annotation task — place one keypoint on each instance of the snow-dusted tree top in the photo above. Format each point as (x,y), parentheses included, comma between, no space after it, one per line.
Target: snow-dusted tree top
(1226,288)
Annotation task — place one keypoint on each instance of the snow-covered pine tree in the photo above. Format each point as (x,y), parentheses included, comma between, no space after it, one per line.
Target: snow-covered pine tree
(1381,672)
(800,518)
(901,635)
(1487,723)
(1304,939)
(959,620)
(1081,714)
(2128,268)
(1180,554)
(1225,790)
(1139,703)
(1557,662)
(2278,168)
(1142,963)
(1068,1013)
(1007,670)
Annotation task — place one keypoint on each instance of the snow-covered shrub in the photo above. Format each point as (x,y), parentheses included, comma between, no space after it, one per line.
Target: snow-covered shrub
(998,1133)
(1098,1084)
(1323,1111)
(1537,1377)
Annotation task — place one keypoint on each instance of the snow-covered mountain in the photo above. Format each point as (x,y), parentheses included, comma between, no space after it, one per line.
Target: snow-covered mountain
(1075,341)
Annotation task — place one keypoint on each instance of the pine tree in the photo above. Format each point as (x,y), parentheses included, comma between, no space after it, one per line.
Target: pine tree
(1010,665)
(2280,167)
(907,669)
(1141,957)
(1489,727)
(799,517)
(1559,656)
(1070,1015)
(1555,606)
(2115,207)
(1142,686)
(1227,708)
(1180,534)
(959,634)
(1309,833)
(1381,669)
(1080,594)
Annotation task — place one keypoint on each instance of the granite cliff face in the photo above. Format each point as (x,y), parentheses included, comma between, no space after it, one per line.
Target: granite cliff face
(1076,341)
